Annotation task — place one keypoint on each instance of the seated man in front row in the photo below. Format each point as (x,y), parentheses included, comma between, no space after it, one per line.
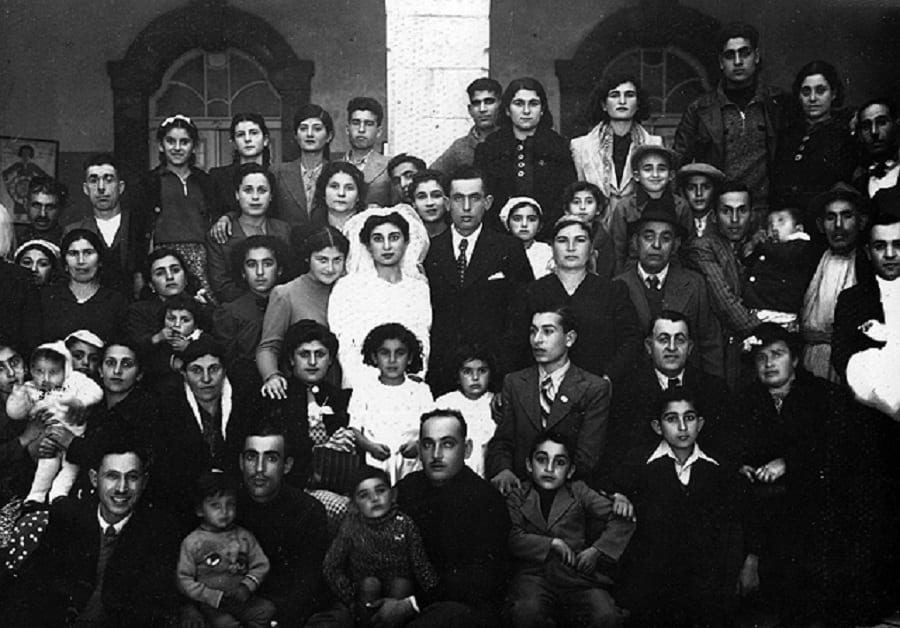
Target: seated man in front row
(552,395)
(105,561)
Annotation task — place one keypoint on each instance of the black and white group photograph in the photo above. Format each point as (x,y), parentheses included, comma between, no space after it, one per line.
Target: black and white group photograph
(449,314)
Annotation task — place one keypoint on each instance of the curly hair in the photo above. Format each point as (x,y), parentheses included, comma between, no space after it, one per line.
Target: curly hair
(393,331)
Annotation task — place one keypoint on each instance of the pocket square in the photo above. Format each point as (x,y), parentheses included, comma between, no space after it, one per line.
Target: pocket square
(497,275)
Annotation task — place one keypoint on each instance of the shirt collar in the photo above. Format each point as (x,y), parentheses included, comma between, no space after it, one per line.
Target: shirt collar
(664,379)
(556,376)
(888,289)
(664,450)
(116,526)
(643,274)
(457,237)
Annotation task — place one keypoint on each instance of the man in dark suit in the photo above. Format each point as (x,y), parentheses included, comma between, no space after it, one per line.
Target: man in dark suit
(867,315)
(655,284)
(365,116)
(877,130)
(669,345)
(473,274)
(125,239)
(105,561)
(553,394)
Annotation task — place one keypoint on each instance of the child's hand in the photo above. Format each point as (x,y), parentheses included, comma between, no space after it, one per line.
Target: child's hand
(771,471)
(505,482)
(623,507)
(380,451)
(178,342)
(409,449)
(586,560)
(562,549)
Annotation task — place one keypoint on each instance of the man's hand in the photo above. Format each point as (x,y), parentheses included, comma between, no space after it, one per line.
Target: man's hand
(505,482)
(586,560)
(562,549)
(221,230)
(380,451)
(623,507)
(47,448)
(391,613)
(60,435)
(771,471)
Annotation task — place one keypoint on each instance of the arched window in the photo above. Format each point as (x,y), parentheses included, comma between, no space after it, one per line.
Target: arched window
(210,87)
(670,77)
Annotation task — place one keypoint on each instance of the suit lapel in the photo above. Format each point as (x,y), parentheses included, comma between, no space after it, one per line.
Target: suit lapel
(562,502)
(567,394)
(444,260)
(674,292)
(531,510)
(638,296)
(483,258)
(293,181)
(530,397)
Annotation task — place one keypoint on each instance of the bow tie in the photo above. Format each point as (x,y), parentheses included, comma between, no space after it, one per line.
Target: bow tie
(880,168)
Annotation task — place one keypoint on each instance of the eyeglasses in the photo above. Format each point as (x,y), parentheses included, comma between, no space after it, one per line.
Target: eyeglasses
(732,55)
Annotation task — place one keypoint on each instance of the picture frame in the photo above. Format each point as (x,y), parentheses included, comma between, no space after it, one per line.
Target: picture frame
(18,167)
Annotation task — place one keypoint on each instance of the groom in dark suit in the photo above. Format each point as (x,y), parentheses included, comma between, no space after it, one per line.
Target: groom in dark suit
(554,394)
(473,273)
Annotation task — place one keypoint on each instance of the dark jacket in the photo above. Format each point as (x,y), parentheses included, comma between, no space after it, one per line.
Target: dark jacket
(855,306)
(553,169)
(20,307)
(701,133)
(103,314)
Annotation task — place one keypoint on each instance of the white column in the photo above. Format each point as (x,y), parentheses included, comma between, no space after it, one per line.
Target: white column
(435,48)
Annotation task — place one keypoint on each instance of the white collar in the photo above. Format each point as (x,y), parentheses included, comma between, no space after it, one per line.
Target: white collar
(643,274)
(888,289)
(797,235)
(663,379)
(457,237)
(556,376)
(225,401)
(116,526)
(682,471)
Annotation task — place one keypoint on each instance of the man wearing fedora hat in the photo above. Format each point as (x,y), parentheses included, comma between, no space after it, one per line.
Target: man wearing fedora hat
(840,216)
(655,284)
(653,166)
(700,184)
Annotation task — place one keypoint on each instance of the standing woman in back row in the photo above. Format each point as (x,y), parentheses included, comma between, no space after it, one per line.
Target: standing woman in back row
(177,196)
(525,157)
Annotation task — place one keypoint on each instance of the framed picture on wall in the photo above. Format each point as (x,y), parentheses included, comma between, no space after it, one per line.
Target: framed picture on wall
(21,159)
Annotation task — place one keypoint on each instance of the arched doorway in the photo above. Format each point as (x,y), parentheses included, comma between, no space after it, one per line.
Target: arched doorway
(210,26)
(663,43)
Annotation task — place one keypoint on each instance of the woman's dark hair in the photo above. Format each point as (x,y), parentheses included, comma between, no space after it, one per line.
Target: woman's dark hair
(467,352)
(123,341)
(322,238)
(831,76)
(259,121)
(328,171)
(191,285)
(308,330)
(178,121)
(81,234)
(315,111)
(189,304)
(534,85)
(393,331)
(276,246)
(596,109)
(252,168)
(373,222)
(770,333)
(568,221)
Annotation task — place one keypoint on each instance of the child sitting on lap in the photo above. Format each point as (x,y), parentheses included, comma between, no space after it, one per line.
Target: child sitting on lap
(557,574)
(222,564)
(378,551)
(56,394)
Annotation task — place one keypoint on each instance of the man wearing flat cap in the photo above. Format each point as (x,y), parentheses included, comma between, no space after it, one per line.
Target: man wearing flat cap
(700,184)
(840,216)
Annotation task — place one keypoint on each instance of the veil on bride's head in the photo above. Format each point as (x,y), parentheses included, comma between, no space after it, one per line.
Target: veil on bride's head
(360,260)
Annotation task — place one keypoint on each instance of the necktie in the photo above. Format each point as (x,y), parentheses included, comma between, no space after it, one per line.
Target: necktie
(93,609)
(673,383)
(653,282)
(880,168)
(461,262)
(546,399)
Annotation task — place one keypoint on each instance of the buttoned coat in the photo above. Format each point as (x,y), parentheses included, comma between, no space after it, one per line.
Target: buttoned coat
(579,412)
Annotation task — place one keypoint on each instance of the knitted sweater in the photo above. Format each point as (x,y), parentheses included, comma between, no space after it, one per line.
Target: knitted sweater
(387,547)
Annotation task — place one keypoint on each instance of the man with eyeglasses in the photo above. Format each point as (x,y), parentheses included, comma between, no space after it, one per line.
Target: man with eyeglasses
(735,127)
(125,239)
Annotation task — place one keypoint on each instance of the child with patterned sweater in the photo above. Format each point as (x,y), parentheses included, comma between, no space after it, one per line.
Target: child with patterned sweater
(378,551)
(222,564)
